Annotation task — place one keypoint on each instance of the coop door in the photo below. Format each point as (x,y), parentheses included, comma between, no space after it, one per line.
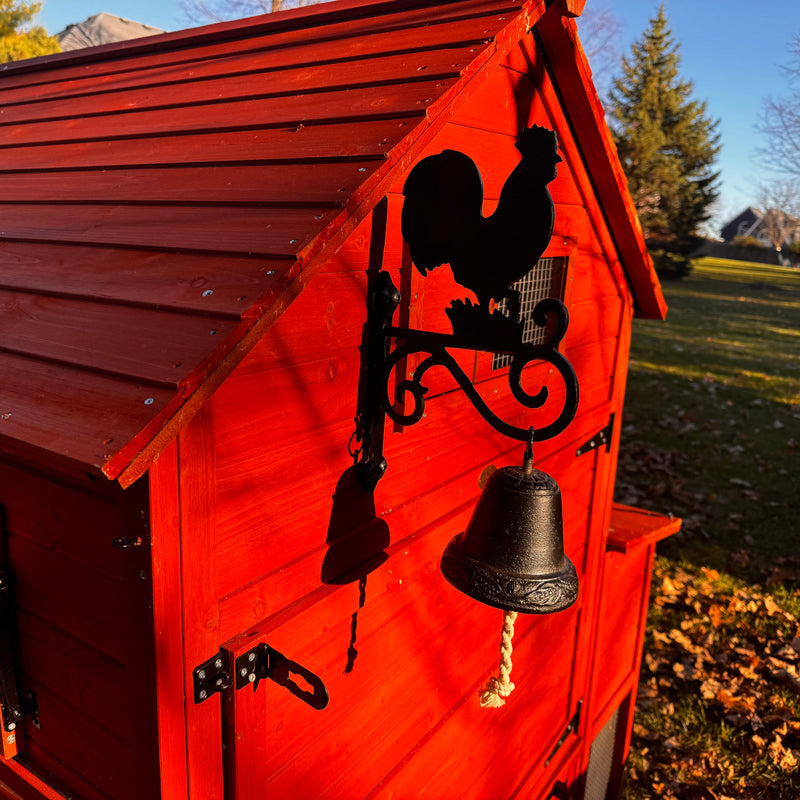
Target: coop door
(77,638)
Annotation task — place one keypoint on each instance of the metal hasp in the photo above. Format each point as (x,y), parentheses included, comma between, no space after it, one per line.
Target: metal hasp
(265,662)
(442,223)
(211,677)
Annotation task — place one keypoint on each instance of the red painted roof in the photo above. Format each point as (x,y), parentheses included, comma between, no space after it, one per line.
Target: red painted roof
(163,200)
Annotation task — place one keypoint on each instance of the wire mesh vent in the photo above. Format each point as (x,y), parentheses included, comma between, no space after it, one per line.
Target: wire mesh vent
(601,759)
(546,279)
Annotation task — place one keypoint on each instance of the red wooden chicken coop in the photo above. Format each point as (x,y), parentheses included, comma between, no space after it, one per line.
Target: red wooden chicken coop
(200,598)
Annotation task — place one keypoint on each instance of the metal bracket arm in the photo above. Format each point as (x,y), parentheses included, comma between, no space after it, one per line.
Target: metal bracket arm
(498,337)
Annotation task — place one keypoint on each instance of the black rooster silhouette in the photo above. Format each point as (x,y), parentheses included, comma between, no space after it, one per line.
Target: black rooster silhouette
(442,219)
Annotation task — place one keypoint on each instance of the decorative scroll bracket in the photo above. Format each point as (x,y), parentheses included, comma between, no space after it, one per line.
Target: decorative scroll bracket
(382,302)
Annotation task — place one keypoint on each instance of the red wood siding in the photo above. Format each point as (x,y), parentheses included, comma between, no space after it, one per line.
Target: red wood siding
(85,638)
(286,499)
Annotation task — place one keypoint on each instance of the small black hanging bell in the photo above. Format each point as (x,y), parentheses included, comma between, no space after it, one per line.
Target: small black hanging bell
(511,555)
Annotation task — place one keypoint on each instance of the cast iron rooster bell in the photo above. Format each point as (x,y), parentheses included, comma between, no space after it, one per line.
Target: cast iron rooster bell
(511,555)
(442,223)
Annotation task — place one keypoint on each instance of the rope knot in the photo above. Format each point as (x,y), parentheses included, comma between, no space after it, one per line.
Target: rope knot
(497,689)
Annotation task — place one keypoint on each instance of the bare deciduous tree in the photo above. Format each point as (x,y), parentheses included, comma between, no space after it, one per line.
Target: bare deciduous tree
(600,31)
(200,12)
(780,123)
(780,200)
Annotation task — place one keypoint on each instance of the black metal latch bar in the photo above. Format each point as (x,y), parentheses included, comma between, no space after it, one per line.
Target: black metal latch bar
(601,438)
(262,661)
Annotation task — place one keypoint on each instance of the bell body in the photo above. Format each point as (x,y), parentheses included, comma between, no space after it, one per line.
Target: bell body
(511,555)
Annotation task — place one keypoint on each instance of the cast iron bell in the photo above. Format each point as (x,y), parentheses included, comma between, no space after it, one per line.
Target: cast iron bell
(511,555)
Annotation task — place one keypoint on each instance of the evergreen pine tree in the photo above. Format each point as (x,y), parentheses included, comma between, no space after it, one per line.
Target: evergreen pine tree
(666,143)
(18,41)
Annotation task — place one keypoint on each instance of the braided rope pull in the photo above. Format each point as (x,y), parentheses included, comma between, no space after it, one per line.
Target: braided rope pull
(497,689)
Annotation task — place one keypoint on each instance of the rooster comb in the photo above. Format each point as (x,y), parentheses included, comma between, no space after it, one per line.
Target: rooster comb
(537,136)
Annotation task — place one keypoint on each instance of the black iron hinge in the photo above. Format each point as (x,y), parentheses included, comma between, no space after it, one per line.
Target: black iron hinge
(600,439)
(572,727)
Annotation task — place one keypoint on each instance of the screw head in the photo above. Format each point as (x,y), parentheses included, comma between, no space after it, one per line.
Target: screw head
(11,739)
(201,674)
(243,671)
(218,663)
(251,657)
(203,694)
(251,677)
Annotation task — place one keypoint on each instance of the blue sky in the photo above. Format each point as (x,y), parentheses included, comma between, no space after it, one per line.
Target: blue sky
(731,49)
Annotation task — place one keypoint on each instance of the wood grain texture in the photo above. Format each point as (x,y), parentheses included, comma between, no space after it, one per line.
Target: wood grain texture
(633,527)
(197,174)
(200,604)
(165,531)
(85,643)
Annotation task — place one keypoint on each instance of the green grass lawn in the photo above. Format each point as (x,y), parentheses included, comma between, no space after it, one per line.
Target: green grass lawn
(711,433)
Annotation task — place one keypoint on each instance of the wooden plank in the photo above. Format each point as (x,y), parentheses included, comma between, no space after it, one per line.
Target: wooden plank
(370,102)
(230,230)
(91,515)
(281,184)
(202,283)
(164,492)
(351,139)
(56,775)
(263,55)
(89,611)
(155,347)
(81,754)
(95,683)
(633,527)
(199,601)
(277,31)
(254,83)
(104,413)
(619,613)
(245,722)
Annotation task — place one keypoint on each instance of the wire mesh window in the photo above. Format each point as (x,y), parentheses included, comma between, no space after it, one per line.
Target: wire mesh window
(546,279)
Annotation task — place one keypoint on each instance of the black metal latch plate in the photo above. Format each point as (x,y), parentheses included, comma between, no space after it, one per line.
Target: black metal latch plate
(600,439)
(211,677)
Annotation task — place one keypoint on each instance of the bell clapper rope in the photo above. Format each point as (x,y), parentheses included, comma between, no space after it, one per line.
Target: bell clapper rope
(494,694)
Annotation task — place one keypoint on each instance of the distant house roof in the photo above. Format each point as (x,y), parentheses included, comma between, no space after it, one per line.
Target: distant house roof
(753,222)
(741,224)
(100,29)
(164,200)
